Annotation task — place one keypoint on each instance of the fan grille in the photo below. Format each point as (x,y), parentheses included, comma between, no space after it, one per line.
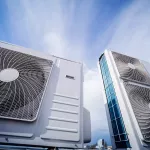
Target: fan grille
(140,99)
(131,68)
(20,99)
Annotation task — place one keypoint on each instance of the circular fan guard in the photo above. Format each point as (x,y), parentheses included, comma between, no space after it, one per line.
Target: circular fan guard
(140,100)
(131,68)
(20,99)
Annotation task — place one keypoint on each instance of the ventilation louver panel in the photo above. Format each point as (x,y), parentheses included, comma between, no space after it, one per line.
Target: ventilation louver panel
(131,68)
(140,100)
(21,98)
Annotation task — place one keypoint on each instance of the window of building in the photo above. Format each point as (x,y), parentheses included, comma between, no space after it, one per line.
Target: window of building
(112,115)
(117,111)
(120,135)
(117,138)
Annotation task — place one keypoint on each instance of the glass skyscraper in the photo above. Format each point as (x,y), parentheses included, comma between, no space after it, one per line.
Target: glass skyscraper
(123,124)
(120,134)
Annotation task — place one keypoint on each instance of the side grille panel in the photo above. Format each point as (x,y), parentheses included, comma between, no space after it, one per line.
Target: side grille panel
(140,101)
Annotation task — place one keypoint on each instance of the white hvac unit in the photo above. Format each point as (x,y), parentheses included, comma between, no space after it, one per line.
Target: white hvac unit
(41,99)
(136,83)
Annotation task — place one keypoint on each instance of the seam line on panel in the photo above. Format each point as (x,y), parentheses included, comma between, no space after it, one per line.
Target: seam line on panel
(66,111)
(56,101)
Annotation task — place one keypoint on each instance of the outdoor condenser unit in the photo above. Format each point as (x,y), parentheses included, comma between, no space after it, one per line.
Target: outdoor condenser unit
(41,100)
(136,81)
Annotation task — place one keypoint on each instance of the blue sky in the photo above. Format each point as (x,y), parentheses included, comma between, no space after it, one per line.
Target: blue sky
(80,22)
(80,30)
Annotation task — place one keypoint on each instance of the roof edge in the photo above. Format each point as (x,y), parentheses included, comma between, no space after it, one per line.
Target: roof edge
(41,52)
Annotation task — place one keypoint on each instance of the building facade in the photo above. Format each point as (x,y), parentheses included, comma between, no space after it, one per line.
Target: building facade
(126,91)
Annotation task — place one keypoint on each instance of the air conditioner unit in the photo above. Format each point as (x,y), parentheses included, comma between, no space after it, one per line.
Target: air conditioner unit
(136,82)
(41,99)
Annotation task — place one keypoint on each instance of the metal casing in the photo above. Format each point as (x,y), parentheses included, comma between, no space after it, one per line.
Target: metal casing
(59,122)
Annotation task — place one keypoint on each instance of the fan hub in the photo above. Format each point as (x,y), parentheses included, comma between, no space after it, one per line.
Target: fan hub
(9,74)
(131,66)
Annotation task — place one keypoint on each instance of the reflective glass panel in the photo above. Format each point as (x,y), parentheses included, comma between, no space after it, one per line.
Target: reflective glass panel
(120,126)
(119,131)
(111,112)
(117,138)
(113,99)
(123,137)
(117,111)
(114,126)
(109,102)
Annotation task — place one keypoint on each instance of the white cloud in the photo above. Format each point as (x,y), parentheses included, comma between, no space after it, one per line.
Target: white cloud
(55,44)
(57,26)
(132,32)
(93,99)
